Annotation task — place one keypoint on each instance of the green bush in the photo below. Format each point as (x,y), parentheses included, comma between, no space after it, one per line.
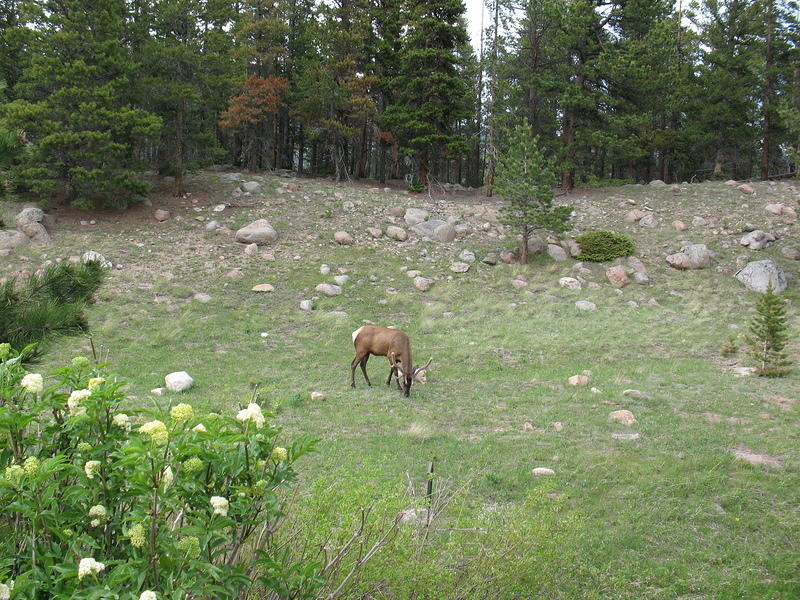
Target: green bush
(98,503)
(600,246)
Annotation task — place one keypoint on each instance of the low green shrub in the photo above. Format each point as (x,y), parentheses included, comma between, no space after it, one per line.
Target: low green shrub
(100,503)
(600,246)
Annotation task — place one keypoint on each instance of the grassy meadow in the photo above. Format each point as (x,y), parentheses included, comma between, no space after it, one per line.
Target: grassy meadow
(673,514)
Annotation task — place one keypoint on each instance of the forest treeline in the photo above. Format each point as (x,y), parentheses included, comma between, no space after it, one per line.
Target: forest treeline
(93,92)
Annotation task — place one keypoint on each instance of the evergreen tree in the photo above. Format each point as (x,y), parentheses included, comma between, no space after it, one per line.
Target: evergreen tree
(75,106)
(525,179)
(768,335)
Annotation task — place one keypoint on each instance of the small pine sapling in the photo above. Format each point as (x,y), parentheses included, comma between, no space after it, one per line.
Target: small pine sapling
(525,178)
(769,336)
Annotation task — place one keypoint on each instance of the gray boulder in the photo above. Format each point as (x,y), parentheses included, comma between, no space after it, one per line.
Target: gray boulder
(436,230)
(91,255)
(397,233)
(12,239)
(759,274)
(691,256)
(415,216)
(29,221)
(250,186)
(258,232)
(557,253)
(757,240)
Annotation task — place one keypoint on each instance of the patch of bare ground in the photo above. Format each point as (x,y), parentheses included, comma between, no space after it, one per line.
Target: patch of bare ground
(757,458)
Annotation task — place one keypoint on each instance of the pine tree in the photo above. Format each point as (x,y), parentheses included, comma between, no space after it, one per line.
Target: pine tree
(768,335)
(525,179)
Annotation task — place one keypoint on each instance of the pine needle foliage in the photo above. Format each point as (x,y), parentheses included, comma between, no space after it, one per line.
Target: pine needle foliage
(47,304)
(768,336)
(525,178)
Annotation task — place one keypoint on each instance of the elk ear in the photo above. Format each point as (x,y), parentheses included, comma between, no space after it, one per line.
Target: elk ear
(419,376)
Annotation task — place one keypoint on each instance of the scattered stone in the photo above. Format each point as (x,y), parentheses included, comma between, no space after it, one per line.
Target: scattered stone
(558,426)
(744,371)
(414,216)
(397,211)
(757,240)
(657,183)
(542,471)
(436,230)
(758,275)
(635,394)
(178,381)
(161,215)
(341,279)
(570,283)
(625,436)
(258,232)
(423,284)
(676,189)
(413,516)
(636,264)
(557,253)
(579,380)
(649,220)
(622,416)
(307,305)
(593,285)
(459,267)
(745,189)
(572,247)
(635,215)
(235,273)
(691,256)
(467,256)
(250,186)
(219,207)
(317,396)
(699,222)
(212,225)
(791,253)
(519,283)
(202,297)
(397,233)
(679,226)
(324,269)
(618,276)
(91,255)
(344,238)
(12,239)
(251,249)
(293,187)
(29,221)
(263,287)
(490,259)
(508,257)
(329,289)
(732,182)
(585,305)
(526,426)
(374,232)
(348,206)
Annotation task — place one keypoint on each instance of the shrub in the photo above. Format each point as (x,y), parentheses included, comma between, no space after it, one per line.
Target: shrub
(98,503)
(600,246)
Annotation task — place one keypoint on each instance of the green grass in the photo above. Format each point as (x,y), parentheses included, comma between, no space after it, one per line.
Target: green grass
(673,514)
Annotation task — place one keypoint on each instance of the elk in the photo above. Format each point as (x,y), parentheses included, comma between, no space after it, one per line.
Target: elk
(395,346)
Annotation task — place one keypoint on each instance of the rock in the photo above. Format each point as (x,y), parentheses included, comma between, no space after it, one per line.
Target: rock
(202,297)
(219,207)
(467,256)
(344,238)
(423,284)
(636,264)
(212,225)
(788,251)
(758,275)
(413,273)
(397,211)
(557,253)
(657,183)
(29,221)
(634,215)
(307,305)
(178,381)
(558,426)
(745,189)
(414,216)
(679,260)
(329,289)
(691,256)
(293,187)
(263,287)
(161,215)
(250,186)
(526,426)
(732,182)
(11,239)
(324,269)
(775,209)
(679,226)
(490,259)
(542,471)
(641,278)
(585,305)
(519,283)
(397,233)
(459,267)
(757,240)
(635,394)
(676,189)
(570,283)
(625,436)
(744,371)
(159,391)
(699,222)
(436,230)
(258,232)
(348,206)
(617,276)
(649,220)
(91,255)
(374,232)
(317,396)
(413,516)
(579,380)
(235,273)
(341,279)
(251,249)
(622,416)
(508,257)
(571,246)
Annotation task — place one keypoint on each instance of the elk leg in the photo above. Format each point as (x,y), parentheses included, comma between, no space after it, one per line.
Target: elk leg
(392,372)
(353,366)
(364,369)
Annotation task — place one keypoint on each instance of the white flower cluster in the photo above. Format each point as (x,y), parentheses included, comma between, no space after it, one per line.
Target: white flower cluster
(220,505)
(122,421)
(148,595)
(89,566)
(157,432)
(252,413)
(5,589)
(91,468)
(199,428)
(98,514)
(94,383)
(33,383)
(74,402)
(167,476)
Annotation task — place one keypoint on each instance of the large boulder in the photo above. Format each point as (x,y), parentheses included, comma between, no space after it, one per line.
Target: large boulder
(258,232)
(557,253)
(178,381)
(415,216)
(436,230)
(11,239)
(29,222)
(250,186)
(757,240)
(691,256)
(758,275)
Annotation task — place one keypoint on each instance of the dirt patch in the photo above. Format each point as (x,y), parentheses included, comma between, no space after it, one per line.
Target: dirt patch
(756,458)
(781,401)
